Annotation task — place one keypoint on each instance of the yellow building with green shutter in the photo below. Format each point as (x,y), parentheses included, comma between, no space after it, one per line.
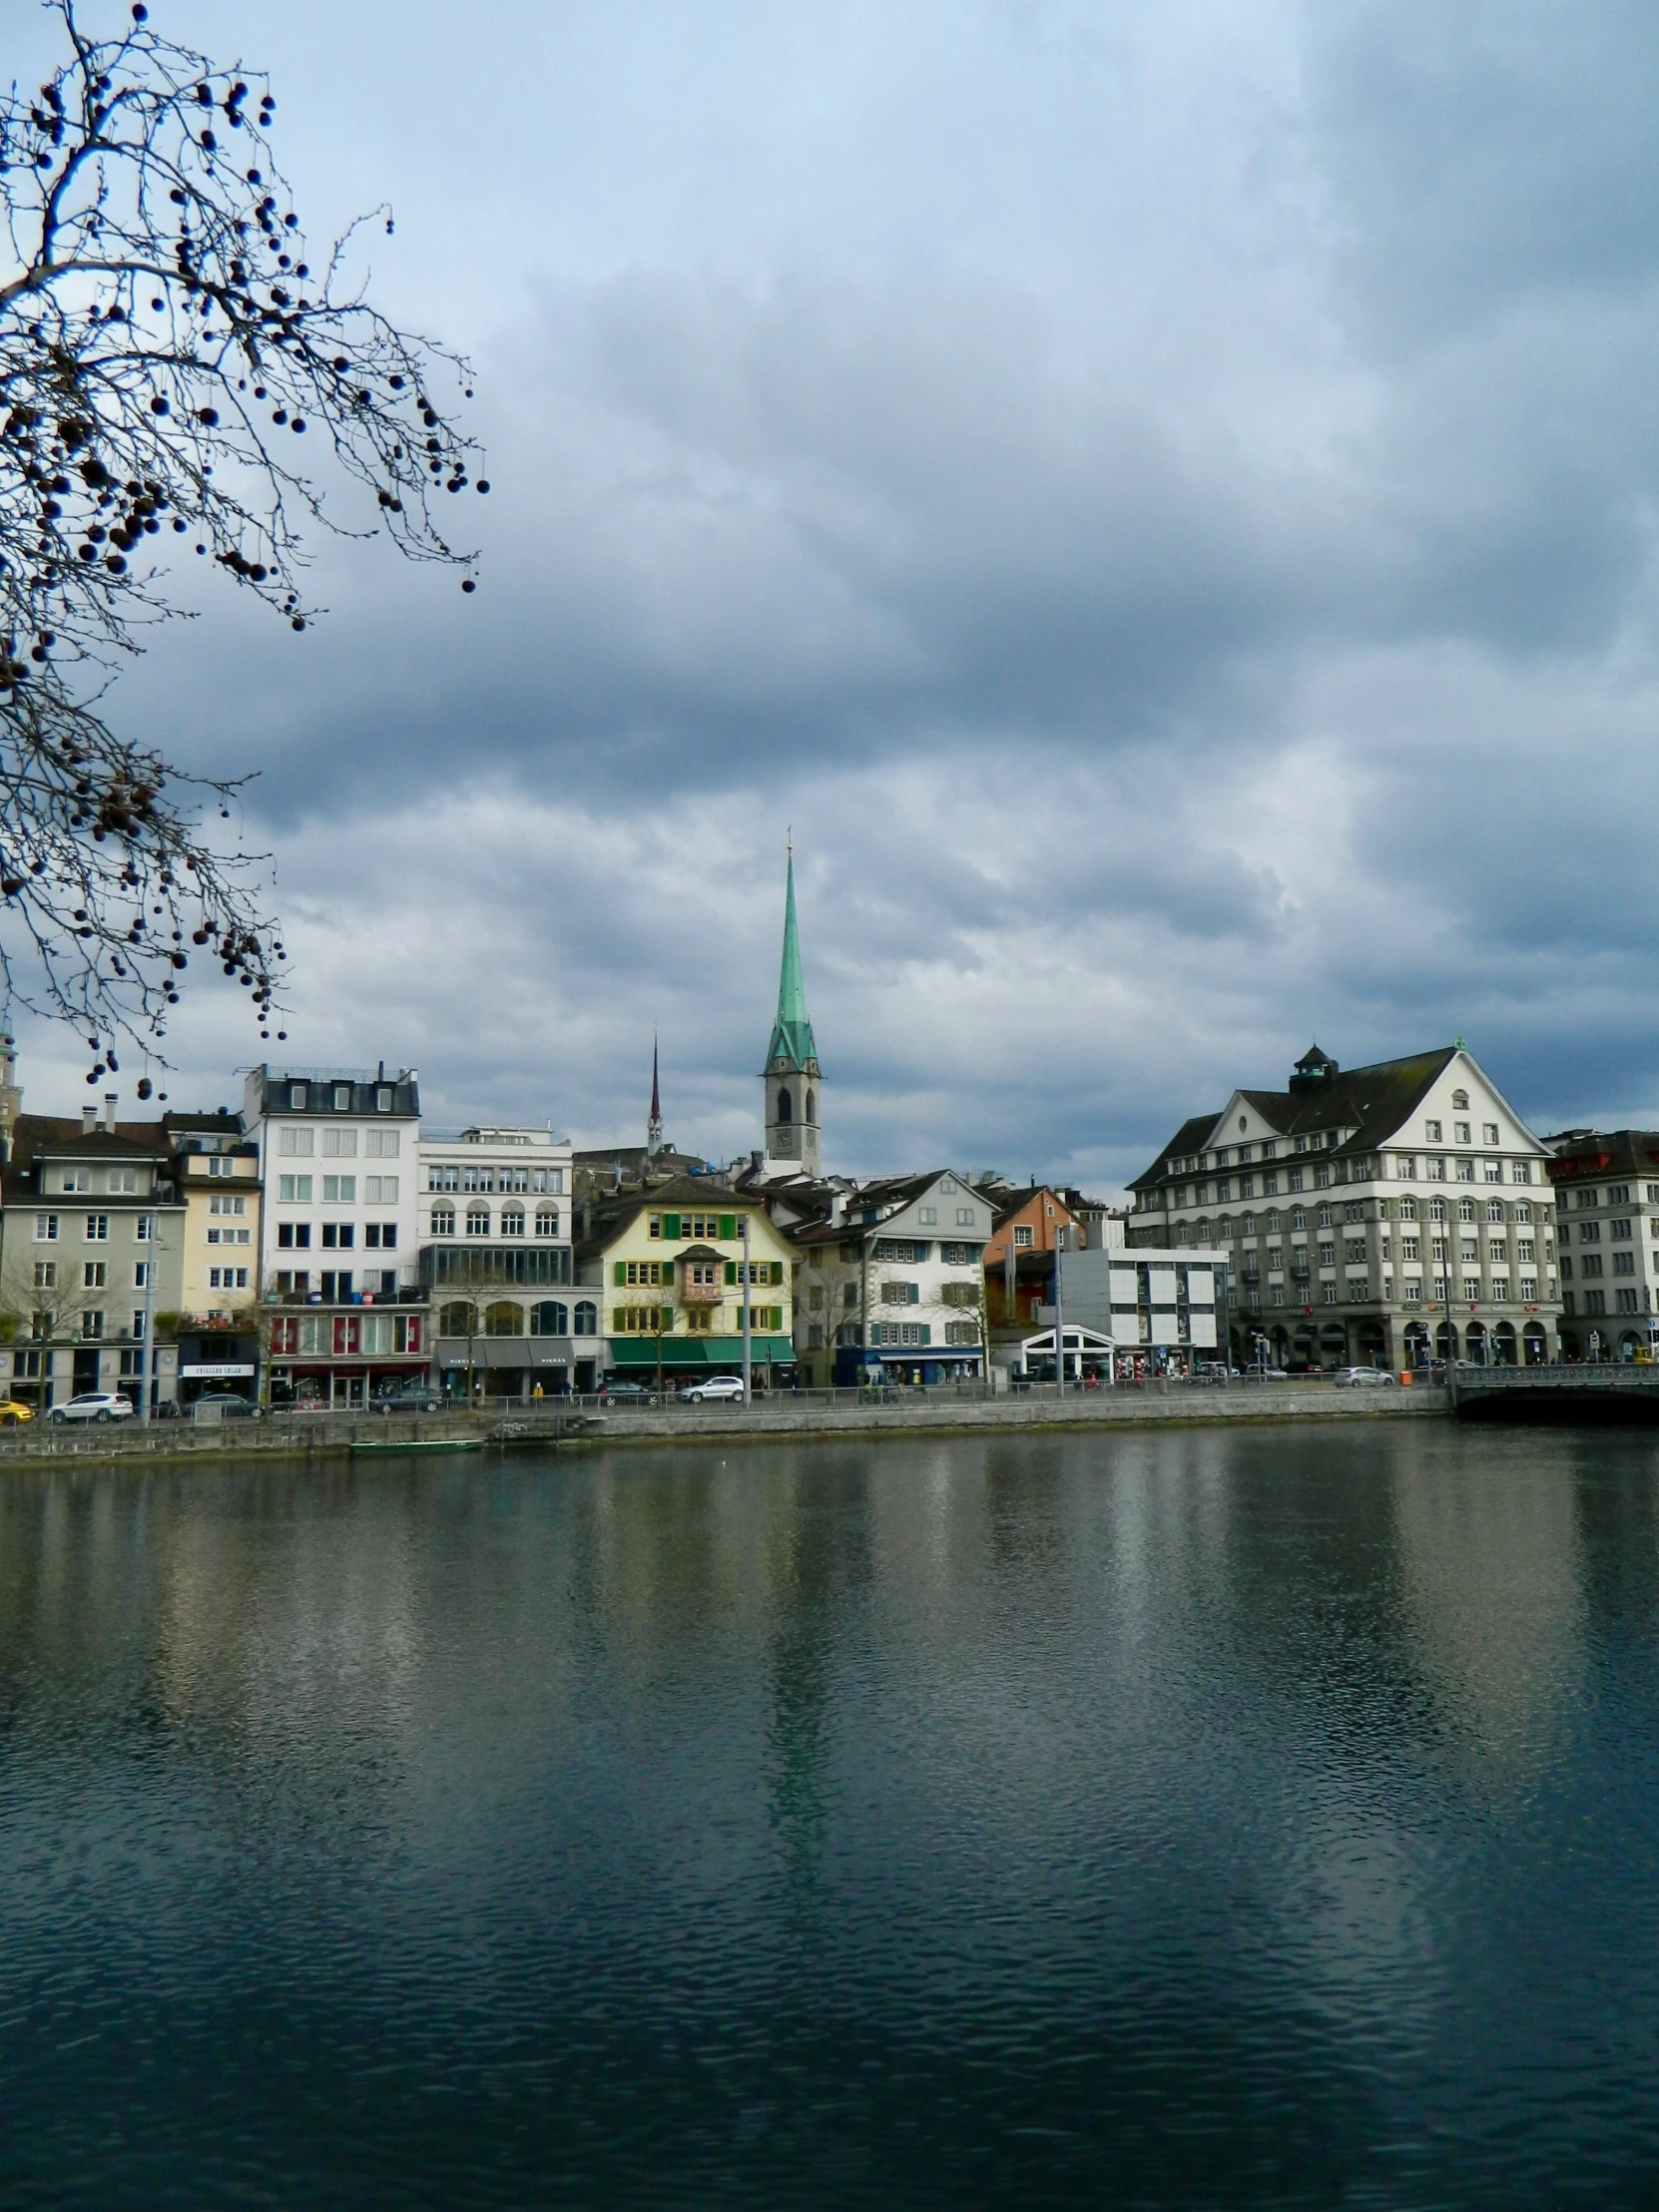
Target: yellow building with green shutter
(670,1262)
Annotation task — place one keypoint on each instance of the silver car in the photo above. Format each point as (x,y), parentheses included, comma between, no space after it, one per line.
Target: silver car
(1354,1379)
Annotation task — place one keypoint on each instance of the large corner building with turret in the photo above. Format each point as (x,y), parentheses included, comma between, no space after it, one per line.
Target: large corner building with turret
(1367,1216)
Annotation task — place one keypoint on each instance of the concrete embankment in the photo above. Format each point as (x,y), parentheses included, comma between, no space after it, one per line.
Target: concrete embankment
(919,1414)
(1133,1407)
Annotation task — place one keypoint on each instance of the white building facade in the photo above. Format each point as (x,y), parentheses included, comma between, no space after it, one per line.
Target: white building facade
(1607,1193)
(1382,1214)
(496,1260)
(338,1152)
(896,1279)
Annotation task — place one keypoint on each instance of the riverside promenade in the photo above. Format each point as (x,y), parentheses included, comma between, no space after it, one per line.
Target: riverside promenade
(516,1426)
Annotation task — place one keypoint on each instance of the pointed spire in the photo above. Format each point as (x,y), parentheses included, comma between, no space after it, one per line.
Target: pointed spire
(654,1127)
(792,1032)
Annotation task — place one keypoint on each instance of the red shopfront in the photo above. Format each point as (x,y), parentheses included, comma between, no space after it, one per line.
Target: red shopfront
(341,1358)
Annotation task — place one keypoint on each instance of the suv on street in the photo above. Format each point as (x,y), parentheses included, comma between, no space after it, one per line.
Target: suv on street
(625,1392)
(718,1386)
(95,1405)
(1350,1379)
(407,1398)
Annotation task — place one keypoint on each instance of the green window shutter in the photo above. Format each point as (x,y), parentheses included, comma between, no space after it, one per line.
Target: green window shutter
(777,1318)
(622,1272)
(728,1227)
(778,1271)
(671,1225)
(731,1271)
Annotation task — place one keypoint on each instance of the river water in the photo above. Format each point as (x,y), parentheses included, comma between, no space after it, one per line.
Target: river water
(1266,1817)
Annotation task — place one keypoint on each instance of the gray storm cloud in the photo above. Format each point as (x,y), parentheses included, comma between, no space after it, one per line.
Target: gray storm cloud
(1160,497)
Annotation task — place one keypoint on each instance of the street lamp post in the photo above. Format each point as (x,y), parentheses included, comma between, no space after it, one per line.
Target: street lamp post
(747,1288)
(146,1354)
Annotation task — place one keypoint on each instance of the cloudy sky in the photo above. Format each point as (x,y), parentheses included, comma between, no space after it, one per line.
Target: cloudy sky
(1159,494)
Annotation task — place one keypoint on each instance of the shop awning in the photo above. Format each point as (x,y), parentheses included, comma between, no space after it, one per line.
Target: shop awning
(725,1353)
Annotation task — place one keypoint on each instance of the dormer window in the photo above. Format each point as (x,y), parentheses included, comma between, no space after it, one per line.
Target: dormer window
(297,1097)
(343,1098)
(383,1100)
(1460,1102)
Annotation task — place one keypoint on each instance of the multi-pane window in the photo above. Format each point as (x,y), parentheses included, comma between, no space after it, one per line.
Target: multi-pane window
(293,1235)
(477,1221)
(339,1190)
(547,1221)
(1500,1289)
(295,1144)
(224,1202)
(46,1275)
(227,1279)
(1325,1217)
(1465,1208)
(381,1190)
(1488,1132)
(293,1190)
(340,1144)
(1618,1194)
(92,1325)
(1525,1249)
(444,1221)
(46,1229)
(1529,1290)
(98,1228)
(1022,1236)
(1624,1263)
(1585,1200)
(1353,1213)
(1621,1230)
(94,1275)
(1431,1132)
(1589,1232)
(1626,1302)
(383,1144)
(512,1221)
(443,1178)
(1460,1133)
(1327,1254)
(1353,1250)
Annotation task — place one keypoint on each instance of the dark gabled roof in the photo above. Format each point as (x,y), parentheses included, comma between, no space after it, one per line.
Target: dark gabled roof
(57,1136)
(606,1217)
(1373,1102)
(1597,1152)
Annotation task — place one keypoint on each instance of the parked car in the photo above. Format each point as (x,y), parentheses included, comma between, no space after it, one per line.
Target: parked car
(716,1387)
(407,1398)
(13,1411)
(222,1405)
(626,1393)
(1268,1375)
(1350,1379)
(95,1405)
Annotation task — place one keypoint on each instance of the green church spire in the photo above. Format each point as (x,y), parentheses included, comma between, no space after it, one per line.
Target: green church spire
(792,1032)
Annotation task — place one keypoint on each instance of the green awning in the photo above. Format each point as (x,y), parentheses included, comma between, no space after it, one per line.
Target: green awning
(725,1353)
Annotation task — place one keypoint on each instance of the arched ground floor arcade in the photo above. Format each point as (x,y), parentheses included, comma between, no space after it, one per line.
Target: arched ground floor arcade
(1395,1339)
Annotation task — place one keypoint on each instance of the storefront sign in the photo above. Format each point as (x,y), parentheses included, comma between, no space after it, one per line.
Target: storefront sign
(221,1368)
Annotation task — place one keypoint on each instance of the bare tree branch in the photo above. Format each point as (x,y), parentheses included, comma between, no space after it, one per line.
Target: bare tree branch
(162,341)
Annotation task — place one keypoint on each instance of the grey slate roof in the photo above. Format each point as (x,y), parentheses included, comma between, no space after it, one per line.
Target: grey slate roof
(1372,1102)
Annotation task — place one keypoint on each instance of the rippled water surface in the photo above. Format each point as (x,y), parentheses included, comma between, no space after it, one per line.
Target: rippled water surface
(1247,1820)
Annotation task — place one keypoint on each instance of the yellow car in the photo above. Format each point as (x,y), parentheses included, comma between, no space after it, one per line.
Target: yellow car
(11,1413)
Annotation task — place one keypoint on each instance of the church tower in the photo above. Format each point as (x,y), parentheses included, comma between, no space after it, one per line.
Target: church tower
(654,1126)
(792,1071)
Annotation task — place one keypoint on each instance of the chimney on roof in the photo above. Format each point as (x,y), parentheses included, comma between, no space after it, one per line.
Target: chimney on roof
(109,1111)
(89,1120)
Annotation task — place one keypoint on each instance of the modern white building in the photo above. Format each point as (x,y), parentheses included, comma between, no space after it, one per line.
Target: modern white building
(338,1152)
(1367,1214)
(495,1260)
